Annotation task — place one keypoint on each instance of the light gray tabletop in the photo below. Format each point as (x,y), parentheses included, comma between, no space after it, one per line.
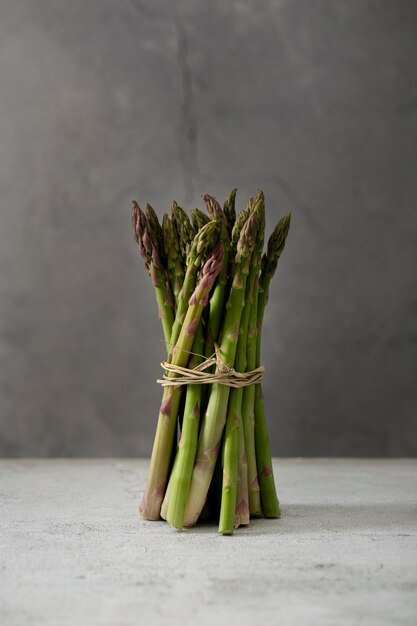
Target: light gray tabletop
(74,551)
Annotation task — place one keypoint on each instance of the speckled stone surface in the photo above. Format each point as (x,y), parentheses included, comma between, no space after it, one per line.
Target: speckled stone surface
(74,551)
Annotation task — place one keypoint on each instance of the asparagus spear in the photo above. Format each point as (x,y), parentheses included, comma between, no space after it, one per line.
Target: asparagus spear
(148,238)
(239,223)
(276,243)
(230,211)
(230,463)
(161,452)
(232,433)
(248,408)
(173,256)
(202,243)
(214,209)
(173,506)
(219,293)
(237,411)
(269,265)
(153,221)
(215,320)
(242,495)
(199,218)
(215,416)
(248,394)
(184,228)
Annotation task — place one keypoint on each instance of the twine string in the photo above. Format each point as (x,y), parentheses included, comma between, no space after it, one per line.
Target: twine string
(224,375)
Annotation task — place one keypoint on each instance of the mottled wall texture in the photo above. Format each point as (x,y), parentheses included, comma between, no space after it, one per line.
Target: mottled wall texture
(315,102)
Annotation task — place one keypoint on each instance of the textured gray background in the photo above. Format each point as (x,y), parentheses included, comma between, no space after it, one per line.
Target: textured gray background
(104,101)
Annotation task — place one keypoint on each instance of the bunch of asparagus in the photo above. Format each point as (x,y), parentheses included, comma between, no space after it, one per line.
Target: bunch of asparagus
(211,452)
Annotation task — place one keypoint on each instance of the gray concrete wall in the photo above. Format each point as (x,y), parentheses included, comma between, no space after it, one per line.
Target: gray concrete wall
(102,102)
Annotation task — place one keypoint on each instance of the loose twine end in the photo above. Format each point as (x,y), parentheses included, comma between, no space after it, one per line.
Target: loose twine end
(224,375)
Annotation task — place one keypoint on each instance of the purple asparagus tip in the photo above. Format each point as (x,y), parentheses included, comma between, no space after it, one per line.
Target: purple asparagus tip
(208,274)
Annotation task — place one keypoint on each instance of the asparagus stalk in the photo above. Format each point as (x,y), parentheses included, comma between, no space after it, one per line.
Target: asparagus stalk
(276,245)
(230,463)
(147,236)
(236,411)
(173,256)
(234,423)
(215,319)
(248,397)
(239,223)
(230,211)
(199,219)
(184,228)
(203,242)
(173,506)
(219,293)
(153,221)
(269,499)
(242,510)
(248,410)
(161,452)
(215,416)
(242,495)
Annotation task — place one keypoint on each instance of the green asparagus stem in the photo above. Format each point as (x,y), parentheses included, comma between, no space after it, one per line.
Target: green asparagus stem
(173,256)
(233,424)
(240,222)
(269,499)
(155,227)
(237,411)
(214,324)
(199,219)
(148,238)
(185,230)
(230,463)
(161,452)
(215,416)
(230,211)
(177,491)
(202,244)
(242,496)
(250,319)
(248,410)
(270,260)
(219,294)
(214,210)
(242,499)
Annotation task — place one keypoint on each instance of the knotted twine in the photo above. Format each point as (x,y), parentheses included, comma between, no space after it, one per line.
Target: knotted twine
(224,375)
